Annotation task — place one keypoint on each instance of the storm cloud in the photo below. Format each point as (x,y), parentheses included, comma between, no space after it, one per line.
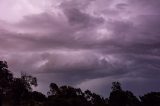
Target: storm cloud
(83,43)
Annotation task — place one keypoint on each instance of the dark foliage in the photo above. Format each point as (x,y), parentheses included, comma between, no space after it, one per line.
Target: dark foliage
(118,97)
(69,96)
(151,99)
(18,92)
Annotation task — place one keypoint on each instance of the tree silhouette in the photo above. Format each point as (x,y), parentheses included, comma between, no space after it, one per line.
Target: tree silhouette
(94,99)
(69,96)
(5,80)
(116,86)
(118,97)
(54,90)
(21,87)
(28,81)
(36,99)
(151,99)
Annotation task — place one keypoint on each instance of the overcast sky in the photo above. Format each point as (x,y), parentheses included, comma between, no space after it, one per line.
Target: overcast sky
(83,43)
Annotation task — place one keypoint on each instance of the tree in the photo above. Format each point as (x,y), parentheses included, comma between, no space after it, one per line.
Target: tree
(6,79)
(151,99)
(38,96)
(28,81)
(66,96)
(53,89)
(36,99)
(132,100)
(116,86)
(119,97)
(94,99)
(21,88)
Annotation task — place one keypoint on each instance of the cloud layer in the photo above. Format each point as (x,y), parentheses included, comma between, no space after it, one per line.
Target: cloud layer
(85,44)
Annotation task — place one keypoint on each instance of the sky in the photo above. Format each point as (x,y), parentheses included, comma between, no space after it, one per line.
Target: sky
(87,44)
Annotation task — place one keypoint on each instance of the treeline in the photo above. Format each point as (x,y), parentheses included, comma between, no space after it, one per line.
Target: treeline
(18,92)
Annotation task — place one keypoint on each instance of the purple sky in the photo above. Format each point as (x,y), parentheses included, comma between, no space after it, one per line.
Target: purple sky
(83,43)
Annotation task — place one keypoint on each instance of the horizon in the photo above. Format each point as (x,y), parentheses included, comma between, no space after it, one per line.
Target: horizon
(86,44)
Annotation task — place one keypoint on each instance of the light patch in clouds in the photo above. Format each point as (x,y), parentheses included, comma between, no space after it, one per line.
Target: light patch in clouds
(103,33)
(13,11)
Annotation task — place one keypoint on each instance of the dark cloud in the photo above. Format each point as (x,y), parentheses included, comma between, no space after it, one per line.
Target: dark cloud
(76,17)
